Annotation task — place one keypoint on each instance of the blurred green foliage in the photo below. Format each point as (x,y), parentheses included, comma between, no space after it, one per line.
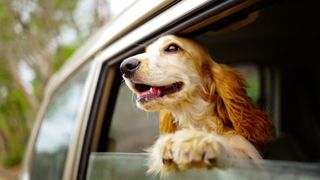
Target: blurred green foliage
(32,44)
(253,89)
(63,52)
(15,131)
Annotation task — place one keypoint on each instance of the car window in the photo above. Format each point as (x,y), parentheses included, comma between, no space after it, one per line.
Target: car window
(132,130)
(250,72)
(133,166)
(57,127)
(259,50)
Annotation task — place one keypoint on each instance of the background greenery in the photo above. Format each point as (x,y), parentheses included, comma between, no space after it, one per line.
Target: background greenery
(36,38)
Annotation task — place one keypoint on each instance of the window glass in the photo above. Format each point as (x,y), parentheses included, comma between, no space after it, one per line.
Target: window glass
(57,127)
(132,130)
(251,75)
(132,166)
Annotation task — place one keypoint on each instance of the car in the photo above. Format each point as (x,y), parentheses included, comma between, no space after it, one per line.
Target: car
(89,128)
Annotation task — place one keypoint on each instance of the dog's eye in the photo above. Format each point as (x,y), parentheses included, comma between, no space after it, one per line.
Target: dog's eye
(172,48)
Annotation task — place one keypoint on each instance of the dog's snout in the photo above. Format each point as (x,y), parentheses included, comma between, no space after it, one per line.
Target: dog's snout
(129,66)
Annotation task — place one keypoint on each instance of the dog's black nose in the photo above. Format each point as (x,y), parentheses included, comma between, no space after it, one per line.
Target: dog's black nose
(129,66)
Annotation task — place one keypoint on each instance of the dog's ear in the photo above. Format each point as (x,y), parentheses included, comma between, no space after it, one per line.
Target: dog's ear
(166,122)
(233,104)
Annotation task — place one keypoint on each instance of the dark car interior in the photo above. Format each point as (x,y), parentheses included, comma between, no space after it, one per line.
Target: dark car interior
(282,43)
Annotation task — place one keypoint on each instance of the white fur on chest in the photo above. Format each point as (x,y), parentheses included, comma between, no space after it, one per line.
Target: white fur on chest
(195,114)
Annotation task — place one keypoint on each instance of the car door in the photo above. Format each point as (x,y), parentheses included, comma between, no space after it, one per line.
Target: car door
(231,30)
(244,34)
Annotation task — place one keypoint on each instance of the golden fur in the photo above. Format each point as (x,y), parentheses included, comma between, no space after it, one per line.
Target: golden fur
(211,117)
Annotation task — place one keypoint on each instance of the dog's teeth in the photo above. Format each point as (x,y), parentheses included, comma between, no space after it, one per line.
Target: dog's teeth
(153,90)
(158,92)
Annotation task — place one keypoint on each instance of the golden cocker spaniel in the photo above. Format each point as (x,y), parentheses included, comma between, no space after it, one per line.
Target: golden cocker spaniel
(205,113)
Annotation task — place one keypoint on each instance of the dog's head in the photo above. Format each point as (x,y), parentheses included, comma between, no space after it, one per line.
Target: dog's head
(166,74)
(173,70)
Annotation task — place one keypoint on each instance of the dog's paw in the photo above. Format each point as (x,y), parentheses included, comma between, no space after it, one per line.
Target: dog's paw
(185,149)
(196,149)
(161,156)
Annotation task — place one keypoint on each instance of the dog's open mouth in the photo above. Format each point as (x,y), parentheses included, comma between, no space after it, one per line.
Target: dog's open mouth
(146,92)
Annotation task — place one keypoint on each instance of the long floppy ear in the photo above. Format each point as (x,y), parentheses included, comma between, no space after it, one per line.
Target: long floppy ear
(166,122)
(233,104)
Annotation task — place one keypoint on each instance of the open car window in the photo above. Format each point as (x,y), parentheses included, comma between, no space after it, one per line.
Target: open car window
(263,57)
(132,130)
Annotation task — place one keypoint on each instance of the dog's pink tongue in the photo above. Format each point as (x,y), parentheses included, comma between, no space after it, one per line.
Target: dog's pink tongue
(152,91)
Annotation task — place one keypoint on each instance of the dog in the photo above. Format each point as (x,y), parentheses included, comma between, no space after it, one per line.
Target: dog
(205,113)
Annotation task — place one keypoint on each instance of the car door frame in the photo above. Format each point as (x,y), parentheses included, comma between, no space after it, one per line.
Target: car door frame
(106,82)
